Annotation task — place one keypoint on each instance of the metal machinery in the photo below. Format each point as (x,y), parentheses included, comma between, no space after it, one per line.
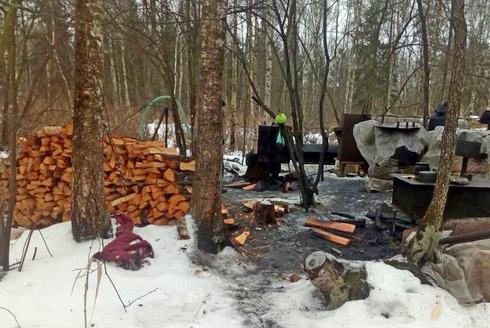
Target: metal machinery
(464,201)
(269,157)
(348,152)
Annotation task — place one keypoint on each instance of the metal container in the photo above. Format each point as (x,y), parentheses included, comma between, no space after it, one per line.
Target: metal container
(348,151)
(422,166)
(427,176)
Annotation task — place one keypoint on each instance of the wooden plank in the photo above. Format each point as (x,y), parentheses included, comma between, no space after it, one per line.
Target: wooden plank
(238,185)
(332,237)
(343,227)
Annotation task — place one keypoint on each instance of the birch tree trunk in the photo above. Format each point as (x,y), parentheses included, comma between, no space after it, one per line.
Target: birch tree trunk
(124,68)
(447,59)
(424,245)
(352,62)
(206,197)
(192,28)
(234,80)
(425,59)
(268,57)
(89,217)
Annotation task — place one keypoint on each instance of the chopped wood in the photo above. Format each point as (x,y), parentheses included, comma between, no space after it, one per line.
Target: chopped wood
(188,166)
(249,204)
(184,206)
(229,221)
(241,238)
(140,178)
(294,277)
(281,209)
(123,199)
(169,175)
(343,227)
(250,187)
(224,210)
(332,237)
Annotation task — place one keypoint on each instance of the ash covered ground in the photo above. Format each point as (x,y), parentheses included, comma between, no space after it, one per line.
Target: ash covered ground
(277,251)
(282,248)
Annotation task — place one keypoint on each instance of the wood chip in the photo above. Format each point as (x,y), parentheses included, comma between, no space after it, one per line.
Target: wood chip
(241,239)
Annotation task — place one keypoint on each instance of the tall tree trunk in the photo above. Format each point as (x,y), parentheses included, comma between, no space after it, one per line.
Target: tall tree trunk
(191,26)
(124,76)
(206,198)
(112,66)
(55,10)
(10,46)
(268,56)
(445,65)
(234,82)
(247,108)
(429,234)
(89,217)
(5,86)
(425,59)
(349,88)
(323,89)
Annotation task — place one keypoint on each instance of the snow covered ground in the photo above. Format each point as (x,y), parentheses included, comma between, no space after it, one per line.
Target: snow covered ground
(189,295)
(396,300)
(40,295)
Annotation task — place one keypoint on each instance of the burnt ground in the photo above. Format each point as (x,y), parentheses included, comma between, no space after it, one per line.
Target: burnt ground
(282,248)
(275,252)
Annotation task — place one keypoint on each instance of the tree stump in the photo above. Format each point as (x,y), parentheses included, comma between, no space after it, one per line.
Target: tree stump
(339,281)
(264,213)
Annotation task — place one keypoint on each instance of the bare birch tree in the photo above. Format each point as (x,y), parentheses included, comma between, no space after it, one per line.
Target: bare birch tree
(206,196)
(89,217)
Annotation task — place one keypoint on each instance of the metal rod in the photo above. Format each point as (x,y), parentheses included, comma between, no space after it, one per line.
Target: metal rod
(464,238)
(464,167)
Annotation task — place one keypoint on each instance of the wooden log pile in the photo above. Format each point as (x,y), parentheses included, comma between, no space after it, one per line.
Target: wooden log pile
(148,182)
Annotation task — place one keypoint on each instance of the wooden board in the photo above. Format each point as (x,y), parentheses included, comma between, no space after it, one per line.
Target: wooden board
(332,237)
(343,227)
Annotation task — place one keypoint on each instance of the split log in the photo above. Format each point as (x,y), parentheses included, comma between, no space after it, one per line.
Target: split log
(141,178)
(242,238)
(229,221)
(188,166)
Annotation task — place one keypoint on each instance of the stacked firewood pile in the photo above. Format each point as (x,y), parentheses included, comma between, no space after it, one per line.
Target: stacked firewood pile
(148,182)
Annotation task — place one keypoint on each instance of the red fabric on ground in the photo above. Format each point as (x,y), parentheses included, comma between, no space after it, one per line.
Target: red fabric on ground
(128,250)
